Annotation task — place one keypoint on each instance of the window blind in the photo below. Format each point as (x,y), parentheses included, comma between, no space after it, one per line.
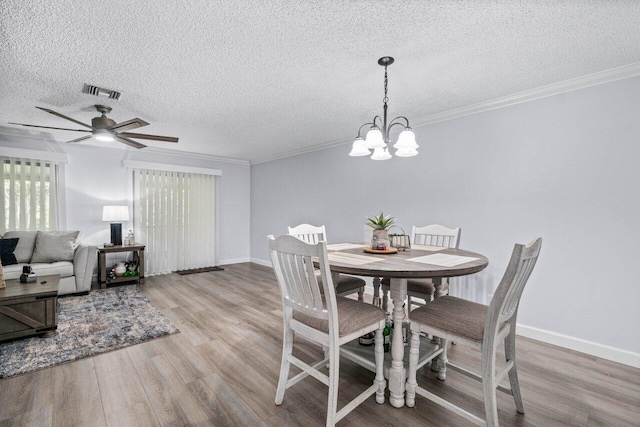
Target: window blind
(30,194)
(174,218)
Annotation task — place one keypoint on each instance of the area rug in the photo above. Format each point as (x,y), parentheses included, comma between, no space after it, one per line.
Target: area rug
(102,321)
(199,270)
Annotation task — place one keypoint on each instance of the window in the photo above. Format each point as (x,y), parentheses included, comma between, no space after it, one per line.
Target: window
(30,194)
(174,217)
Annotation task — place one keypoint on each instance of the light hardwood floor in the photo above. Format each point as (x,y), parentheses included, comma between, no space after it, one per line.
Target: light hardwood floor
(222,370)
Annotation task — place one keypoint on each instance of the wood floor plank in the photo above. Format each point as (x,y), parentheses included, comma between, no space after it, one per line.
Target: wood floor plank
(138,415)
(185,359)
(223,403)
(252,387)
(145,350)
(77,395)
(223,370)
(118,380)
(25,393)
(36,418)
(171,400)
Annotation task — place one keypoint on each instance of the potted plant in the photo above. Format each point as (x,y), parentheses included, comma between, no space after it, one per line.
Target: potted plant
(380,225)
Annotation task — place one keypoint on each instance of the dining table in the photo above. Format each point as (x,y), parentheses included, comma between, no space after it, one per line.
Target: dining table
(417,262)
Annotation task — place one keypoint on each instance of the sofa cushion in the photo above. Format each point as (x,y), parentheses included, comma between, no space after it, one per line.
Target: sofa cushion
(7,246)
(55,246)
(63,268)
(27,242)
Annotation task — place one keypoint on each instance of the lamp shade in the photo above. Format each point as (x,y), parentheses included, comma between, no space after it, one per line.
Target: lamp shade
(381,154)
(406,140)
(358,148)
(115,213)
(374,138)
(407,152)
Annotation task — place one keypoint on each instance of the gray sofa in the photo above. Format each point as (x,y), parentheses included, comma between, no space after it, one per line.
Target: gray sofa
(54,252)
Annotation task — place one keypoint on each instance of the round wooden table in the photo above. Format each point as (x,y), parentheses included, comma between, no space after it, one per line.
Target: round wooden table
(410,264)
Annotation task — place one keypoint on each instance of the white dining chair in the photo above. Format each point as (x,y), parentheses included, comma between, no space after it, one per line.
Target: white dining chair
(481,328)
(322,318)
(430,235)
(346,285)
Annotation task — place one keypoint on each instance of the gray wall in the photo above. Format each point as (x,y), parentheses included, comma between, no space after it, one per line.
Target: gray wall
(566,168)
(96,176)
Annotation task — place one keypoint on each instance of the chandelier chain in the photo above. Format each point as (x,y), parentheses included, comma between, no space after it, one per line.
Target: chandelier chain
(386,82)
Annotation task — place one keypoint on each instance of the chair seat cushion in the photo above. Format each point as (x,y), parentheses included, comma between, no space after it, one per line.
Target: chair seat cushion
(421,286)
(454,315)
(352,316)
(345,284)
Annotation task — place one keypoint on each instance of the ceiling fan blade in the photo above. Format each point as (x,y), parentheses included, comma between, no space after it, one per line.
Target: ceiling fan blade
(151,137)
(80,139)
(55,113)
(129,142)
(128,125)
(49,127)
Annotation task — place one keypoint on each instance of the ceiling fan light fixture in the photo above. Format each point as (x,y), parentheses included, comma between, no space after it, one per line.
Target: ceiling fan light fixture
(103,135)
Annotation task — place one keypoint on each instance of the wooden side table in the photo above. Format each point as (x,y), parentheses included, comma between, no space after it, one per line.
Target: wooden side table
(138,255)
(28,309)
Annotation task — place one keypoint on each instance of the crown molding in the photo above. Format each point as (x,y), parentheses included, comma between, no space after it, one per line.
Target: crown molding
(193,155)
(300,151)
(595,79)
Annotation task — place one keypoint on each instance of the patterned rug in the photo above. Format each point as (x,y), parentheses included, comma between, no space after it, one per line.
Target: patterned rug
(102,321)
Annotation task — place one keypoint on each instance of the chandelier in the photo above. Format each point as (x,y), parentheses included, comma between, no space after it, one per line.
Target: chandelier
(377,138)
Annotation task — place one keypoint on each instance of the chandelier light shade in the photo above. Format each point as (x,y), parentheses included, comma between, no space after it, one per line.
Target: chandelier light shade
(359,149)
(377,138)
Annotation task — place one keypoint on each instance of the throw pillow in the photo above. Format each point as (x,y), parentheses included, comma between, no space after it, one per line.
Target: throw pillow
(27,242)
(7,246)
(54,246)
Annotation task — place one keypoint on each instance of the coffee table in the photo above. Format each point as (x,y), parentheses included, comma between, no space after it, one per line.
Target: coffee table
(28,309)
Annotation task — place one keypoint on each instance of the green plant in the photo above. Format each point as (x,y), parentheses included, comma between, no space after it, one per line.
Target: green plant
(380,222)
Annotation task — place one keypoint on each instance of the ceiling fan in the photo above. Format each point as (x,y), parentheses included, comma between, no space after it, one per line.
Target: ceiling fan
(105,129)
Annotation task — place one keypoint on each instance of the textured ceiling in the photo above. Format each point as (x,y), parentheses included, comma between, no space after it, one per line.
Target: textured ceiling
(255,79)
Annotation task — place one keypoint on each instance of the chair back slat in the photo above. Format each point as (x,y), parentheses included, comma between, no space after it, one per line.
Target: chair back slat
(292,261)
(308,233)
(436,235)
(504,304)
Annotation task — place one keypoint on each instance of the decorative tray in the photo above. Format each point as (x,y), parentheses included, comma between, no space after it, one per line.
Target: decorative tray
(368,250)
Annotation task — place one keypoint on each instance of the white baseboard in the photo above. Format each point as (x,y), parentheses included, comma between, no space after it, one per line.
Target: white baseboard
(233,261)
(614,354)
(261,262)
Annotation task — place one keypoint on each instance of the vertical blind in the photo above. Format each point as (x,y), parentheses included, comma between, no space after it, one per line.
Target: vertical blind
(174,217)
(30,194)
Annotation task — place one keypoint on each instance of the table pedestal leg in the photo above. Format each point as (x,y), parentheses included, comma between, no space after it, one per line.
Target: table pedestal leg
(397,372)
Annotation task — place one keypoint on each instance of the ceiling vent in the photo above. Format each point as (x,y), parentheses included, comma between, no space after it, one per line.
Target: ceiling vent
(100,91)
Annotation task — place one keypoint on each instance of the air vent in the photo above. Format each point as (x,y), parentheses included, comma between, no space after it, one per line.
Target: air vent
(100,91)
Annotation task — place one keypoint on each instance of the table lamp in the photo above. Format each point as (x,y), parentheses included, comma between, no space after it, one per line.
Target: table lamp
(115,214)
